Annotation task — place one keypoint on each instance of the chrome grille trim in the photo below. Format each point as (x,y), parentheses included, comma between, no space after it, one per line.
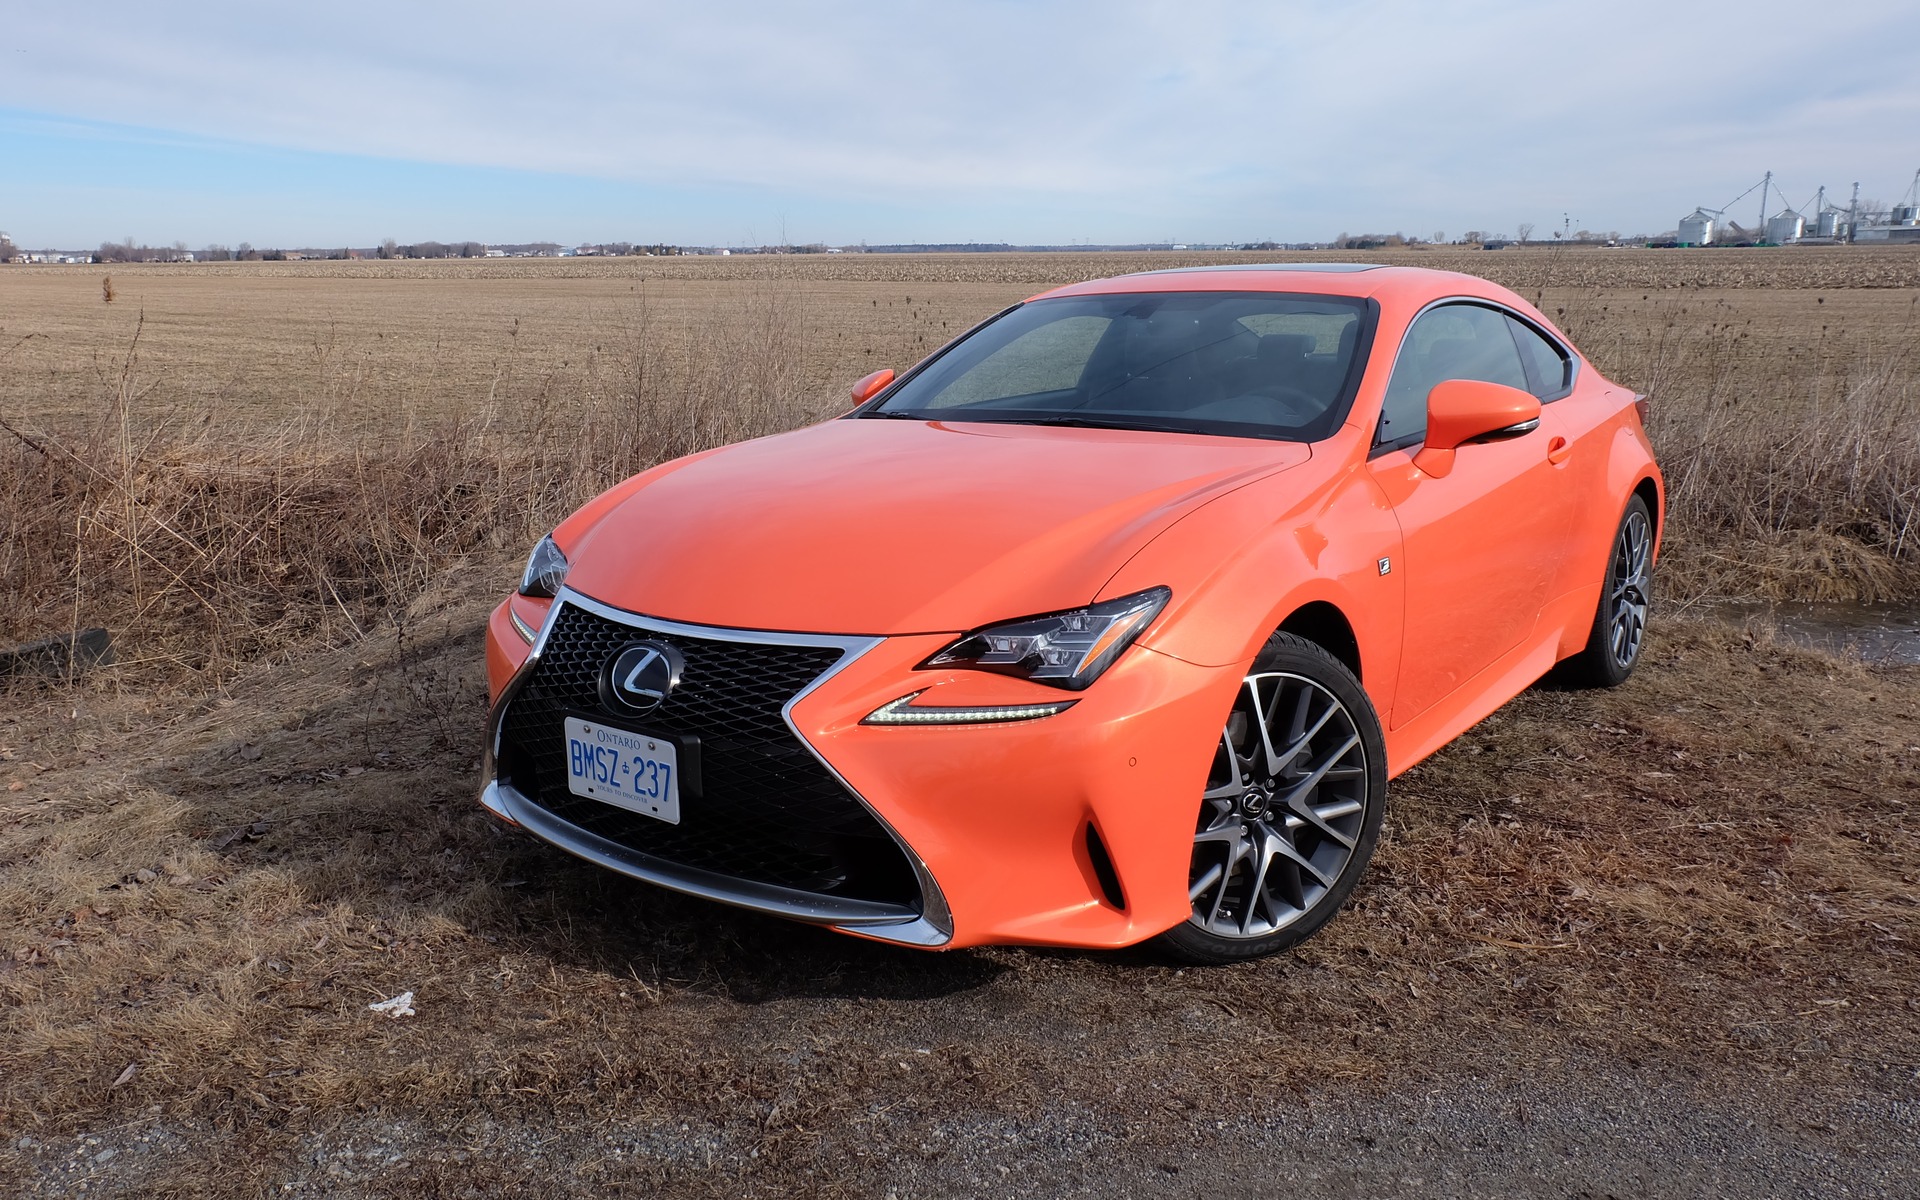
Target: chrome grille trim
(932,926)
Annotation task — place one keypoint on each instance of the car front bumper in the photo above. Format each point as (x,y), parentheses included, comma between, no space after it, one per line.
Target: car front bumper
(1005,824)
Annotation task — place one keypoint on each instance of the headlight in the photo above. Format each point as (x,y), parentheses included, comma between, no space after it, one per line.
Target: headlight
(546,571)
(1064,650)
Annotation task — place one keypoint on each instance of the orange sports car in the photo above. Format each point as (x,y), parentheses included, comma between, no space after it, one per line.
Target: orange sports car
(1108,621)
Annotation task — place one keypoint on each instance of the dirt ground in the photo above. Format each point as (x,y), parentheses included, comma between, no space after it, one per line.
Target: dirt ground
(1655,941)
(1658,941)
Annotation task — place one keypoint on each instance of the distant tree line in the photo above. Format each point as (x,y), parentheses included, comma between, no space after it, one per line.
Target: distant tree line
(622,249)
(392,249)
(130,251)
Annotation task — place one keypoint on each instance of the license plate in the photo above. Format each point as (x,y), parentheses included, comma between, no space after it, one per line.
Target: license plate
(625,769)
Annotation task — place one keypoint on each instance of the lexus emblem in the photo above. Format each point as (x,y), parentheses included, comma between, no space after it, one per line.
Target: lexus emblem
(641,677)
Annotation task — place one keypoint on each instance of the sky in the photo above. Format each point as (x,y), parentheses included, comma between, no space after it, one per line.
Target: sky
(731,122)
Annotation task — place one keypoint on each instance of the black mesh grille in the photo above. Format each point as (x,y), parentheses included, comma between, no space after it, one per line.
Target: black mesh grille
(766,809)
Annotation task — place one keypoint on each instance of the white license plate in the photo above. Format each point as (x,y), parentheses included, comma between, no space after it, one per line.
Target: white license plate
(627,770)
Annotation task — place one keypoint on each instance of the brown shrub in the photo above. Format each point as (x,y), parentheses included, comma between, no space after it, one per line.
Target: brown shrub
(217,494)
(206,553)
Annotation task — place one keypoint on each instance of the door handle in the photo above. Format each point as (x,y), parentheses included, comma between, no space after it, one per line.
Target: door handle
(1559,450)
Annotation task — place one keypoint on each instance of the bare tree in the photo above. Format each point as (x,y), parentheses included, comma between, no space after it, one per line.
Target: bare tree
(1526,231)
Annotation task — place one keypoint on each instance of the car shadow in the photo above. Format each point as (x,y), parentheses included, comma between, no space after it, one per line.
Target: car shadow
(365,796)
(597,920)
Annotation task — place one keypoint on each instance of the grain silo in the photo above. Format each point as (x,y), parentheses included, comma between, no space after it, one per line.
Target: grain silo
(1696,228)
(1785,226)
(1830,223)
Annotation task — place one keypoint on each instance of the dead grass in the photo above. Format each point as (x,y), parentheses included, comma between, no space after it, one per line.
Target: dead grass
(1688,868)
(205,550)
(215,855)
(1788,426)
(232,461)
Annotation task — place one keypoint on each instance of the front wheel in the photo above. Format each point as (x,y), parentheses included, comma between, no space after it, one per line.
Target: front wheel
(1291,811)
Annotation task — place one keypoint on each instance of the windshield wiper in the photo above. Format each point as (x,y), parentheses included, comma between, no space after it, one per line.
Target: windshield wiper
(1065,420)
(1110,421)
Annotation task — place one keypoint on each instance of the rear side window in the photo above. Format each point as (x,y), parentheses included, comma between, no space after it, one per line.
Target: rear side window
(1549,368)
(1454,341)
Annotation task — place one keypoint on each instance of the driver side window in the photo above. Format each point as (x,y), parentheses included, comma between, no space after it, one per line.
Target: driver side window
(1455,341)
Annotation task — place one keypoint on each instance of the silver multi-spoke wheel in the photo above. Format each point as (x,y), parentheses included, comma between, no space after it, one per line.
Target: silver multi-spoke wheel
(1626,593)
(1291,808)
(1284,811)
(1628,588)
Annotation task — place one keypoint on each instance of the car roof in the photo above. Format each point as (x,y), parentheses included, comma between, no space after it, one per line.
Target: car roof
(1412,284)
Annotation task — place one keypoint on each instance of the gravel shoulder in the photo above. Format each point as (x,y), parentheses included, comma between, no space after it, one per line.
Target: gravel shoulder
(1591,1128)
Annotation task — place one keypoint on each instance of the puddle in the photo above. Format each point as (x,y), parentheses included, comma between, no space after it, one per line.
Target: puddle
(1882,633)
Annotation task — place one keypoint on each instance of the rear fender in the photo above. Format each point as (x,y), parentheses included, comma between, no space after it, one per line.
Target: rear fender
(1629,467)
(1630,463)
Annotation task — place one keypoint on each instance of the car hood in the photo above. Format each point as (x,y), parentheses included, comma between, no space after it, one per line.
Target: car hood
(898,526)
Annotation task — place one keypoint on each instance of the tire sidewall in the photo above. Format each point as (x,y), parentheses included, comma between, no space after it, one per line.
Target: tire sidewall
(1285,652)
(1600,668)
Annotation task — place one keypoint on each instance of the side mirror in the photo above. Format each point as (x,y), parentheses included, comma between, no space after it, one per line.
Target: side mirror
(871,385)
(1463,410)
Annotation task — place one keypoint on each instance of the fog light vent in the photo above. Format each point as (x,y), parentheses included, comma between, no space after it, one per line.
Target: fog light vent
(1103,869)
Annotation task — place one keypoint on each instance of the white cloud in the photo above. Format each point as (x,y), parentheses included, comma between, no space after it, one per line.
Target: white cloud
(1220,119)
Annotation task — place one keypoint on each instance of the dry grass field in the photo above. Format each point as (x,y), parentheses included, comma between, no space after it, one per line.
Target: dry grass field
(231,457)
(1657,941)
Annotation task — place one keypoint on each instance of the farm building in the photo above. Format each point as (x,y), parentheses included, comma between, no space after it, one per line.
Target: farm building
(1786,226)
(1696,228)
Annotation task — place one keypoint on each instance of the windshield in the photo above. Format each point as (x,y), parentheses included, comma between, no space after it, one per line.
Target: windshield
(1248,364)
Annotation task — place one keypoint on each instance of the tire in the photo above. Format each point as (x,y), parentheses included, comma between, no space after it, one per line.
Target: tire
(1281,838)
(1620,621)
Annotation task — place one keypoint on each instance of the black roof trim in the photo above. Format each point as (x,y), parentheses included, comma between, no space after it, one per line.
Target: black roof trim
(1336,268)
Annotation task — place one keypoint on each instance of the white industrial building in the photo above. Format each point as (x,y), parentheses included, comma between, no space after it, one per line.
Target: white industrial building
(1697,228)
(1786,226)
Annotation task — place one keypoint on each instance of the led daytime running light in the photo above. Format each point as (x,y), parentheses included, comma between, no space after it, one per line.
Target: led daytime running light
(527,632)
(904,712)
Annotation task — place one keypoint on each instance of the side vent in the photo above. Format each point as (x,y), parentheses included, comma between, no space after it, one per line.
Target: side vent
(1103,869)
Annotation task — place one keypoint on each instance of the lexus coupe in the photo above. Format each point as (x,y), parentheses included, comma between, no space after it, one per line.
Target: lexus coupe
(1109,621)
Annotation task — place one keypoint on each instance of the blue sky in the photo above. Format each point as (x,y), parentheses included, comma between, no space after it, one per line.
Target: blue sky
(731,122)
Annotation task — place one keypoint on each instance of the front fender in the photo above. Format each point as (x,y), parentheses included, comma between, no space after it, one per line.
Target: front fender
(1242,564)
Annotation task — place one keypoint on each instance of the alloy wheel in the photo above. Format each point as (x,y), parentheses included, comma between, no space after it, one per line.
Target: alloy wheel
(1629,597)
(1284,811)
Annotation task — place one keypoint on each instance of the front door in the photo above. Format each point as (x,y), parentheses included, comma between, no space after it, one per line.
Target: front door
(1482,545)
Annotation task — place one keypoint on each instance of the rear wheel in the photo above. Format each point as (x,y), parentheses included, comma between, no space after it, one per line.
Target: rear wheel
(1291,811)
(1620,623)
